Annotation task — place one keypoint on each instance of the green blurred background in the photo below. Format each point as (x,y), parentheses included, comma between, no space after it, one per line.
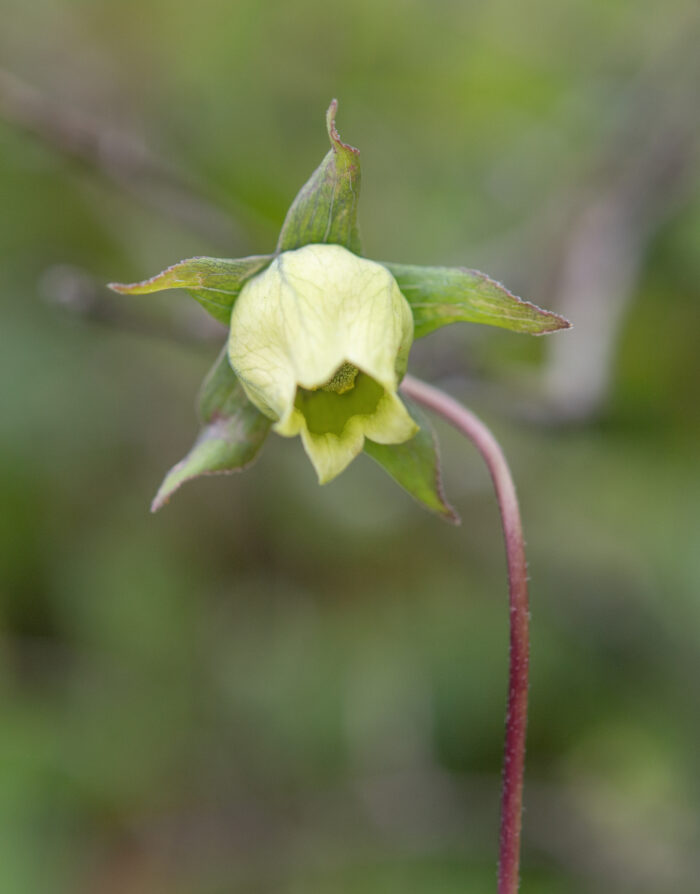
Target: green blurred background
(275,687)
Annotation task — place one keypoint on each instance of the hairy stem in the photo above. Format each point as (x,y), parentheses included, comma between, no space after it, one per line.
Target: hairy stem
(516,719)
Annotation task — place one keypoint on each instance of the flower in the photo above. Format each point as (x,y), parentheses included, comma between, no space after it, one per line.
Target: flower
(319,341)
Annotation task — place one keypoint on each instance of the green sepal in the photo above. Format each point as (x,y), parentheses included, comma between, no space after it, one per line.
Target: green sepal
(442,295)
(232,432)
(415,465)
(214,282)
(325,209)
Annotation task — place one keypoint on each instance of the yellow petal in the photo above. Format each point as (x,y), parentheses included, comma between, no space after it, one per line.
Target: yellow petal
(319,341)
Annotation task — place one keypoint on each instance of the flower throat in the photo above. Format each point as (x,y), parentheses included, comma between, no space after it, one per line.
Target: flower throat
(343,379)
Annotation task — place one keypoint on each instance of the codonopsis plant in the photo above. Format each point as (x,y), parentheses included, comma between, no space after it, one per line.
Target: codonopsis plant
(318,346)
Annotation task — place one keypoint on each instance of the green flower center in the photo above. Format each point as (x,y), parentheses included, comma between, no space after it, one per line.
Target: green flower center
(343,379)
(329,408)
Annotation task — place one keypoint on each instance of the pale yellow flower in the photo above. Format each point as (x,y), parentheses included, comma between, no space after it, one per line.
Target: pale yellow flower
(320,341)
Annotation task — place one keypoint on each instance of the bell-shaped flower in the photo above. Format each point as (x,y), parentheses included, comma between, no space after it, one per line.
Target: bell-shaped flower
(319,341)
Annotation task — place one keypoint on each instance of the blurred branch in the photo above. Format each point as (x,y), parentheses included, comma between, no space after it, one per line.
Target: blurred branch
(593,261)
(644,175)
(118,156)
(77,292)
(582,251)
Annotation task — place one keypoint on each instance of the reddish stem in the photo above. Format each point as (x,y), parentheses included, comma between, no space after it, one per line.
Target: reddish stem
(516,719)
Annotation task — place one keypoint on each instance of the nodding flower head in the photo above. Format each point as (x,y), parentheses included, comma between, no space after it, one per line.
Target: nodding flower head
(319,339)
(320,342)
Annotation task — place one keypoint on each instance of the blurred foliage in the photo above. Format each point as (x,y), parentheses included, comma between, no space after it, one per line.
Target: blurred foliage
(277,687)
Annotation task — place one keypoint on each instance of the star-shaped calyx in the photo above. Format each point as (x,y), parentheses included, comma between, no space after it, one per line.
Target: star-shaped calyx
(319,339)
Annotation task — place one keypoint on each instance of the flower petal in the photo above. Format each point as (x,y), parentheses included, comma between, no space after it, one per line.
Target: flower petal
(333,427)
(308,313)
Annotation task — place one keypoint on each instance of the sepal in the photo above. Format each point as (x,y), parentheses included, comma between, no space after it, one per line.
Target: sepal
(415,465)
(232,433)
(442,295)
(214,282)
(325,209)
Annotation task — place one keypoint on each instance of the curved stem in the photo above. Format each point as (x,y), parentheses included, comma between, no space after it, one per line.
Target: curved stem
(516,719)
